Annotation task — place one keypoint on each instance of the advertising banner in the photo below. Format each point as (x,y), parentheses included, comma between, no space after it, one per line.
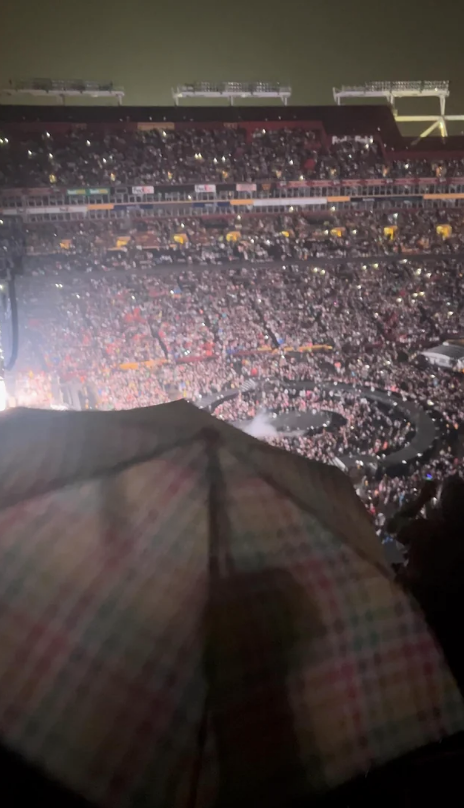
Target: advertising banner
(55,209)
(246,186)
(294,184)
(87,191)
(144,126)
(205,189)
(140,190)
(289,202)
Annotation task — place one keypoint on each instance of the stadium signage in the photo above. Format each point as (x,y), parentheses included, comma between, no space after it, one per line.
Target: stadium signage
(246,186)
(54,209)
(205,189)
(140,190)
(290,203)
(87,191)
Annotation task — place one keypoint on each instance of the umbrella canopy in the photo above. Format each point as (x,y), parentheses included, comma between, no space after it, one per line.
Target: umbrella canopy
(189,616)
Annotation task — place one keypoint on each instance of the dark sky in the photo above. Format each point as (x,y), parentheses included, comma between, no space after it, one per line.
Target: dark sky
(149,46)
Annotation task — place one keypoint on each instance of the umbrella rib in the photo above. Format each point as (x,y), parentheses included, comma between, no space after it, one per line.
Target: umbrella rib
(200,753)
(304,506)
(219,533)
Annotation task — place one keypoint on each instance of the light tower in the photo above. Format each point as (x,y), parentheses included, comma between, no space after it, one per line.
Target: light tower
(77,88)
(391,90)
(232,90)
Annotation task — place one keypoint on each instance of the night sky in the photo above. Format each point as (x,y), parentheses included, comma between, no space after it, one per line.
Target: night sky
(149,46)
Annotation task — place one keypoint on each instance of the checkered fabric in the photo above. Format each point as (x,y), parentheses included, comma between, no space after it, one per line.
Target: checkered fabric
(188,615)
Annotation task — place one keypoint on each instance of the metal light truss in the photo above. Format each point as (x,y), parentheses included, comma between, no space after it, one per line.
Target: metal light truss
(64,89)
(232,90)
(391,90)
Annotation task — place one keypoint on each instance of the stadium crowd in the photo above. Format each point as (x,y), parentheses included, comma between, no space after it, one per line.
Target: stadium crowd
(297,321)
(141,244)
(362,427)
(136,338)
(142,311)
(197,155)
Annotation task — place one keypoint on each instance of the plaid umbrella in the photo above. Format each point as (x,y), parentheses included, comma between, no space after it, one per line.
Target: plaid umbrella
(189,616)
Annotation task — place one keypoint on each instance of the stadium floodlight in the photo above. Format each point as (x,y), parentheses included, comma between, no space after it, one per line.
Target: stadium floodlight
(57,88)
(391,90)
(231,90)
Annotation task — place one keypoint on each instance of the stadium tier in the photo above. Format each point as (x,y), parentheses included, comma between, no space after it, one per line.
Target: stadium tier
(81,163)
(284,264)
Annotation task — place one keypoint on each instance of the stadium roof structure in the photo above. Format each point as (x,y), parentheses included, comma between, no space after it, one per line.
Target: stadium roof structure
(392,90)
(232,90)
(59,88)
(179,599)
